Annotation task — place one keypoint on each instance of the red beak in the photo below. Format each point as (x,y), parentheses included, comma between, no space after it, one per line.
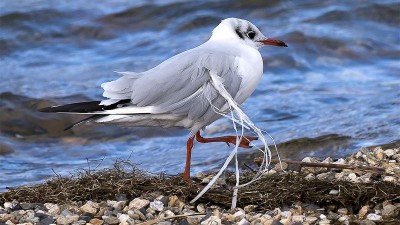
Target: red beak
(274,42)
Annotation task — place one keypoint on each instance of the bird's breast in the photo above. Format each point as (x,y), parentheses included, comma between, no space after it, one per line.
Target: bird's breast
(251,70)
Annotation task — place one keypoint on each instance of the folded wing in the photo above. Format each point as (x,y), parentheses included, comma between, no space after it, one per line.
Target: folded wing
(181,86)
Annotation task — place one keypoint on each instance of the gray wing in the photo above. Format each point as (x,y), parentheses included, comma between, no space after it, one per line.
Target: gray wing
(181,85)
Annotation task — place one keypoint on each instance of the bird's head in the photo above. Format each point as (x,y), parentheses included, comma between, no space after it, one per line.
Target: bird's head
(243,31)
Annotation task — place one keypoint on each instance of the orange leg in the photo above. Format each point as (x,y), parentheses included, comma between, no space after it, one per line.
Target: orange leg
(189,146)
(244,143)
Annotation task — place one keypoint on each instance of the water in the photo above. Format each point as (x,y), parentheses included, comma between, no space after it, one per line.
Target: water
(335,89)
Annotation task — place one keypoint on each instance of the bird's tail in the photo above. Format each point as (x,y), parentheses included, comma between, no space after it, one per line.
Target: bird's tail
(84,108)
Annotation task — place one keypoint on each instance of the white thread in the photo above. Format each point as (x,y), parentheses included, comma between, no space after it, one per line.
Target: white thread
(240,118)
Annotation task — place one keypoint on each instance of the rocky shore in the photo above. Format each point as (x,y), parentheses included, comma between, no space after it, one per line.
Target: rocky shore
(326,196)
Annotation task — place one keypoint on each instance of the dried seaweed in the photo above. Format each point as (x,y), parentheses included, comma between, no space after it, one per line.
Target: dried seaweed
(267,193)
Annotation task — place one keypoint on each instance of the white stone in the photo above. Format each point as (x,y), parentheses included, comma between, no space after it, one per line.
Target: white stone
(328,160)
(322,216)
(389,152)
(138,203)
(306,159)
(123,218)
(311,219)
(157,205)
(333,192)
(201,208)
(374,217)
(352,177)
(340,161)
(8,205)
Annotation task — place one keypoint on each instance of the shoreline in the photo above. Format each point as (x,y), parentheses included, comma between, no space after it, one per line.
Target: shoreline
(126,195)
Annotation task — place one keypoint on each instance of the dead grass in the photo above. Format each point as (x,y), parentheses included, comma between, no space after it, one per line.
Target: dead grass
(268,193)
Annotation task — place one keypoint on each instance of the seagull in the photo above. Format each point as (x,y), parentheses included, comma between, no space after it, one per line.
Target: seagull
(182,91)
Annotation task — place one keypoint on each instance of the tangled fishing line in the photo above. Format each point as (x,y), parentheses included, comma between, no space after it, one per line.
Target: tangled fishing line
(238,117)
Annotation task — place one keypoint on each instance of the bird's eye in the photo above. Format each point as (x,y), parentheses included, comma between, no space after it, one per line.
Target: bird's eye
(251,34)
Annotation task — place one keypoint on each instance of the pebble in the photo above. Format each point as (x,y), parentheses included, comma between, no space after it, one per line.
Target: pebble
(374,217)
(239,215)
(67,219)
(340,161)
(110,219)
(90,207)
(379,154)
(363,212)
(352,177)
(280,166)
(157,205)
(172,200)
(123,218)
(119,205)
(66,212)
(389,152)
(52,209)
(138,203)
(243,222)
(201,208)
(325,176)
(342,211)
(169,213)
(310,177)
(298,218)
(96,221)
(389,179)
(249,208)
(390,210)
(334,192)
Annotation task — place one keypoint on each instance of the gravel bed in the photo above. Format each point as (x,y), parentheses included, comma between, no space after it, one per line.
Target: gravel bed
(154,207)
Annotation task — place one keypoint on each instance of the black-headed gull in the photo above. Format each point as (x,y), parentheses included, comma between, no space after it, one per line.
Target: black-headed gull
(185,90)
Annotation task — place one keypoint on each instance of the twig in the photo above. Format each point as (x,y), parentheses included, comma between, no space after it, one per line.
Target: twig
(326,165)
(251,169)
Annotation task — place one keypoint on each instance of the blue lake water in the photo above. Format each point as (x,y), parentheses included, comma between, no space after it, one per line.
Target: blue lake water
(337,86)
